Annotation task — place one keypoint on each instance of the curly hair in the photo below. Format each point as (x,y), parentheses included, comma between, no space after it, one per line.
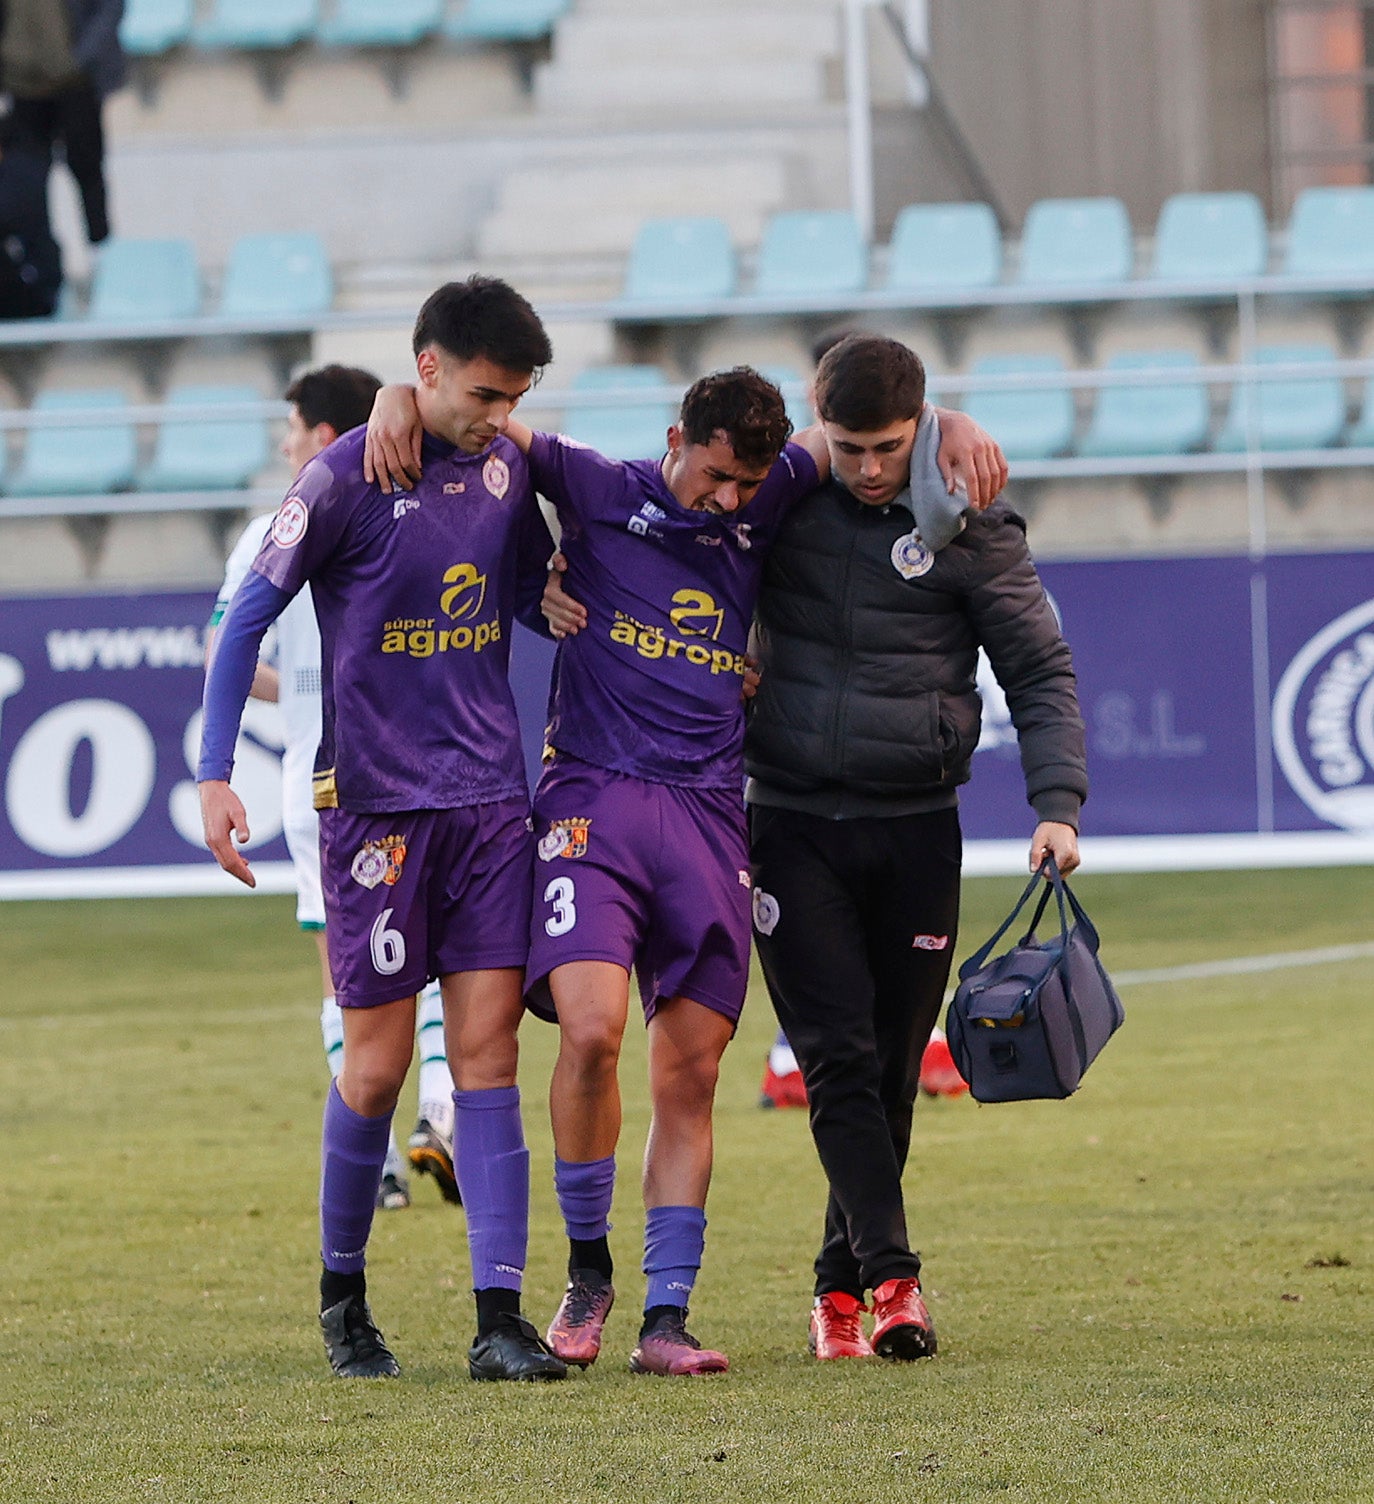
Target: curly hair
(743,405)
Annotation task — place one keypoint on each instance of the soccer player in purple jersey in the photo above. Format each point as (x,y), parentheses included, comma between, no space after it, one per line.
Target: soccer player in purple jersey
(424,825)
(642,853)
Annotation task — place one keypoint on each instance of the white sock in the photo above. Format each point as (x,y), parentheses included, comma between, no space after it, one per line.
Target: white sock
(436,1084)
(331,1027)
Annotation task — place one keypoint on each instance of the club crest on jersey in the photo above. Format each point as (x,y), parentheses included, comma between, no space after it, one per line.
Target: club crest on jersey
(380,862)
(911,557)
(930,942)
(496,476)
(290,523)
(767,912)
(567,838)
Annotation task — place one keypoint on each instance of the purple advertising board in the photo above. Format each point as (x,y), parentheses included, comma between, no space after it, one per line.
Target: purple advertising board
(1221,697)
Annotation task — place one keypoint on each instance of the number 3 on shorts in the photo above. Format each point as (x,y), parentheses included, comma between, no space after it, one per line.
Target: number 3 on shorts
(560,893)
(388,946)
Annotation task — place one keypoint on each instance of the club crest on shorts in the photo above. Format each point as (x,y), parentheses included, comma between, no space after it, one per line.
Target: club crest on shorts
(766,912)
(911,557)
(380,862)
(496,476)
(567,838)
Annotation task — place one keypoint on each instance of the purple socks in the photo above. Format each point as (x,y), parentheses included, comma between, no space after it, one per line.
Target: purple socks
(351,1155)
(493,1169)
(674,1237)
(584,1191)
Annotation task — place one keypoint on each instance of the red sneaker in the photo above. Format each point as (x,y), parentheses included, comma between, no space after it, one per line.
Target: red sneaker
(574,1334)
(939,1075)
(669,1350)
(782,1091)
(902,1327)
(836,1331)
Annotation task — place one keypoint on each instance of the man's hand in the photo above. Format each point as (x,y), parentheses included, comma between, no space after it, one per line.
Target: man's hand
(968,457)
(1052,838)
(222,813)
(391,455)
(565,616)
(752,679)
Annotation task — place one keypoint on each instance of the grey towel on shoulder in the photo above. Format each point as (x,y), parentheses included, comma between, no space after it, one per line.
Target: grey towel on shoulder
(939,516)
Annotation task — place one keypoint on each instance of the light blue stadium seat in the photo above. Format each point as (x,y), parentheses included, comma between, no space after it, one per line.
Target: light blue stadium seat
(681,259)
(1331,233)
(1032,423)
(277,276)
(1076,240)
(937,246)
(505,20)
(1201,236)
(207,454)
(629,430)
(380,23)
(1291,412)
(1170,418)
(798,408)
(811,253)
(78,460)
(152,27)
(258,24)
(139,280)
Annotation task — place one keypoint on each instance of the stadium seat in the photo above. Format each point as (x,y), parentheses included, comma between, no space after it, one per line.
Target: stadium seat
(258,25)
(681,260)
(380,23)
(1202,236)
(628,430)
(1331,233)
(1361,436)
(1291,412)
(277,276)
(79,460)
(137,281)
(811,253)
(937,246)
(1031,424)
(504,20)
(798,408)
(207,454)
(1076,240)
(1170,418)
(152,27)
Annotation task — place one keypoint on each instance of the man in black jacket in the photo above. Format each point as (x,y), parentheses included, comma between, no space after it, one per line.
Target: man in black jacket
(863,728)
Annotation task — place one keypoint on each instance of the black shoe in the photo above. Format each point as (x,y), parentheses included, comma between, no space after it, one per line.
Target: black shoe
(430,1153)
(513,1350)
(356,1349)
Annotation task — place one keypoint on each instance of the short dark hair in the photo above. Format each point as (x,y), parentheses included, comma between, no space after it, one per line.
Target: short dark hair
(828,338)
(484,319)
(743,405)
(338,395)
(867,382)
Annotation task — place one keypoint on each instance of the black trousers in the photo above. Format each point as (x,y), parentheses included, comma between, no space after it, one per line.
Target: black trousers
(72,120)
(855,925)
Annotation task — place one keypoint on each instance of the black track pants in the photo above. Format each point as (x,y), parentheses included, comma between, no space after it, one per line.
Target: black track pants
(855,922)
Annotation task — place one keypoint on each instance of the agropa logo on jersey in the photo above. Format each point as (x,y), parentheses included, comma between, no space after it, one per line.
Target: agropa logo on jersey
(1323,721)
(461,603)
(466,594)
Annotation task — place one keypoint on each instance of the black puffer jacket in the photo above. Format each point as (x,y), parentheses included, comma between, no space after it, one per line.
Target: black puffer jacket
(868,704)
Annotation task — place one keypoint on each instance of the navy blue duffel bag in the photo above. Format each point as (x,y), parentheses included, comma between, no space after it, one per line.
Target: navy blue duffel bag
(1029,1023)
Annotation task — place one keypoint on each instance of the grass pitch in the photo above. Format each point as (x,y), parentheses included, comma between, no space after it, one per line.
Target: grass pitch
(1160,1289)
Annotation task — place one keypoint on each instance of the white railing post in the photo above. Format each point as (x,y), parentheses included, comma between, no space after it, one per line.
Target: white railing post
(860,109)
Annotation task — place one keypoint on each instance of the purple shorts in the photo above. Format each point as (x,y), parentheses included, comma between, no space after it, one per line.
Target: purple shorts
(640,874)
(413,896)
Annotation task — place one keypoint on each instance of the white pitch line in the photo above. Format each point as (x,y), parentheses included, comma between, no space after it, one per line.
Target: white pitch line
(1243,965)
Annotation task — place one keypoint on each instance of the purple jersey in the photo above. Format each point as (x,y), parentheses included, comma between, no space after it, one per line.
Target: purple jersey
(651,686)
(414,593)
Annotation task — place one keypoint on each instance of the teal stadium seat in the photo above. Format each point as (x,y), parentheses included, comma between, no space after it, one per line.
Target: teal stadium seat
(79,460)
(628,430)
(798,409)
(681,260)
(380,23)
(207,454)
(1292,412)
(1331,233)
(277,276)
(811,253)
(939,246)
(152,27)
(1207,236)
(504,20)
(137,281)
(1171,418)
(1076,240)
(1030,424)
(258,25)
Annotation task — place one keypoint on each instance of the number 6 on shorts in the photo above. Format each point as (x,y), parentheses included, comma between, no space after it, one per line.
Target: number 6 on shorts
(560,893)
(388,946)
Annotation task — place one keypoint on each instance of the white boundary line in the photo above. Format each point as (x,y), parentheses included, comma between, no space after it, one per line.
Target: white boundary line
(1237,966)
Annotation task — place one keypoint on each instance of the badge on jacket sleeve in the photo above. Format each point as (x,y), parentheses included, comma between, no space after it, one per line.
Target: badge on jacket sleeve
(911,557)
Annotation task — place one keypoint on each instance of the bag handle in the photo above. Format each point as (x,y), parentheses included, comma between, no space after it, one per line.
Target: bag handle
(1048,868)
